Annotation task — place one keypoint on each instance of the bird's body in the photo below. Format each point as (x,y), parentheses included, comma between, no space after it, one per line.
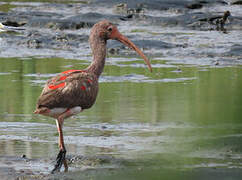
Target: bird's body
(69,89)
(72,91)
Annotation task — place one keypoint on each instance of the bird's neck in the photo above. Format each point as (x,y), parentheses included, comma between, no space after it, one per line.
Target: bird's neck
(98,47)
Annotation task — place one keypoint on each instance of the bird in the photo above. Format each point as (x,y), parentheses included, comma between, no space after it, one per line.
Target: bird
(220,22)
(217,22)
(73,91)
(4,28)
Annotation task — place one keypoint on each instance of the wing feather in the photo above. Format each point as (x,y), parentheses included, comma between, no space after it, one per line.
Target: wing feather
(69,90)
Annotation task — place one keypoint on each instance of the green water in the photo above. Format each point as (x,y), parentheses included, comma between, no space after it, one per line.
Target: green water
(166,123)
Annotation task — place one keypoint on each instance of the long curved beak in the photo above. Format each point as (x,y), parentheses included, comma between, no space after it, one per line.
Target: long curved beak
(118,36)
(9,28)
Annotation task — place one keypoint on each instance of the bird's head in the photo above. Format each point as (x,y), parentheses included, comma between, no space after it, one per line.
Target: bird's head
(106,30)
(227,13)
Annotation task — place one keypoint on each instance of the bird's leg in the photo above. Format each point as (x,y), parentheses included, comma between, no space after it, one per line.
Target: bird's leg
(62,153)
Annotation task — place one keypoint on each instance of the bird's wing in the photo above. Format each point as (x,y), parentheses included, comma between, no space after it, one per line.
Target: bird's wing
(69,89)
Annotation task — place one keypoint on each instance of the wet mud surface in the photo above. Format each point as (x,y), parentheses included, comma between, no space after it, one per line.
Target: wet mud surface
(176,35)
(167,29)
(128,150)
(13,167)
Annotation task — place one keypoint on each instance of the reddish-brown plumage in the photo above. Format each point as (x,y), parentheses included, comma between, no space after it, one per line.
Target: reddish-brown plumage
(66,91)
(72,91)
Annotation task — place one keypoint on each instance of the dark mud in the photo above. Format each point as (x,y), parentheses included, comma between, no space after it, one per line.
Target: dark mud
(106,167)
(26,168)
(164,29)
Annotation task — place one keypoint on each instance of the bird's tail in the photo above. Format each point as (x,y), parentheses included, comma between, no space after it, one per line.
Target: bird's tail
(36,111)
(41,110)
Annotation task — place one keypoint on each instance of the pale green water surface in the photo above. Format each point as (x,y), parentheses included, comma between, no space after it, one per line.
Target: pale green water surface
(179,121)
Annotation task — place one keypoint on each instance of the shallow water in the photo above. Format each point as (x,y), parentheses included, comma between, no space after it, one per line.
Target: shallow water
(179,118)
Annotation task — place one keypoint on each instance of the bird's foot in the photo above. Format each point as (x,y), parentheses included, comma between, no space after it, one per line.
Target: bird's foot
(59,161)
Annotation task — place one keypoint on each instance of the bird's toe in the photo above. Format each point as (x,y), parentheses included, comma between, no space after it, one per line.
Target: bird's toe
(59,161)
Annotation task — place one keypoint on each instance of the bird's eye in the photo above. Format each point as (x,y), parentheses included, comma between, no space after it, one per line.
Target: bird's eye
(110,29)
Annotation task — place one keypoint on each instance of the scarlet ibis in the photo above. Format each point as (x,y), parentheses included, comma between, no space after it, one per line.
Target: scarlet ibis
(72,91)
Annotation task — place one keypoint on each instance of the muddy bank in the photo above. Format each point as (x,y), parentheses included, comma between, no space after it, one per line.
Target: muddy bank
(167,29)
(12,167)
(106,167)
